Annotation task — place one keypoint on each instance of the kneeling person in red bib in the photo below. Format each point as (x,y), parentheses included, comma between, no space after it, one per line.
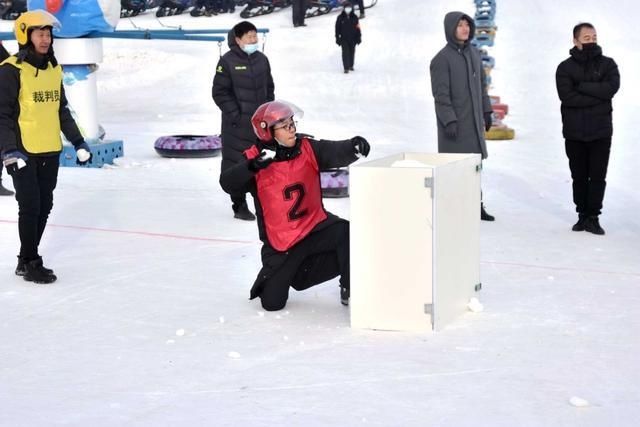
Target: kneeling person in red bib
(303,244)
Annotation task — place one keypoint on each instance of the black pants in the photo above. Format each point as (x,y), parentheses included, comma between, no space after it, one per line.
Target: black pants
(34,185)
(588,162)
(321,256)
(348,55)
(237,199)
(299,8)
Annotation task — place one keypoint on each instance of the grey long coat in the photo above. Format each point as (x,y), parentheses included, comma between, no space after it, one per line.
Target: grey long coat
(459,91)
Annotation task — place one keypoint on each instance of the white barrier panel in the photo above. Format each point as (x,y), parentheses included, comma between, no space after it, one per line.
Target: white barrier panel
(415,249)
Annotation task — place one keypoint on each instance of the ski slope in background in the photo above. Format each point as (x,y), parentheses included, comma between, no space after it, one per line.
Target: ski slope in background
(149,322)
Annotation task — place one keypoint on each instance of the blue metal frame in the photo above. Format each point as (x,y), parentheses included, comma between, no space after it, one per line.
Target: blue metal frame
(153,34)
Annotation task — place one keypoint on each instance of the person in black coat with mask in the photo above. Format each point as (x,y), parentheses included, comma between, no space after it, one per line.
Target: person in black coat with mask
(586,83)
(241,84)
(348,35)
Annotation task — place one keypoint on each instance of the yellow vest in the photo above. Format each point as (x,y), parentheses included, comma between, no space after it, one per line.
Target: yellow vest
(39,100)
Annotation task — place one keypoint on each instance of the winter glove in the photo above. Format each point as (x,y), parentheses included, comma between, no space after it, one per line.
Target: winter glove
(338,41)
(451,130)
(83,154)
(360,146)
(14,160)
(488,121)
(264,159)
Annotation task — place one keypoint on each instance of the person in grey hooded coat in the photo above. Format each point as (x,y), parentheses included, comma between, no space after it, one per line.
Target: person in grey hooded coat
(459,90)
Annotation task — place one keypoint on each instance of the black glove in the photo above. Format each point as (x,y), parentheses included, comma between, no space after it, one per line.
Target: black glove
(82,151)
(488,121)
(338,41)
(360,146)
(264,159)
(451,130)
(14,160)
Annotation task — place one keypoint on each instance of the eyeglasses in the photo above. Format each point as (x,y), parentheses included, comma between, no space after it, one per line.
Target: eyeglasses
(291,126)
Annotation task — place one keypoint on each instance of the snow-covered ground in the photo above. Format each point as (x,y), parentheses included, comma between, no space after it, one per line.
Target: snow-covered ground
(149,322)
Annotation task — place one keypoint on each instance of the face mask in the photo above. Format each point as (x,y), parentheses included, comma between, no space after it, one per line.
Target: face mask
(347,10)
(250,48)
(588,47)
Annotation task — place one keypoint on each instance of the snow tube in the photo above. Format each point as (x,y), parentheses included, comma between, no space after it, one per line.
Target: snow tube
(334,183)
(188,146)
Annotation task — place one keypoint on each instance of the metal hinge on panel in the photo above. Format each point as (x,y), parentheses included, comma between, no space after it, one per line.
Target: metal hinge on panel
(428,183)
(479,167)
(428,309)
(478,287)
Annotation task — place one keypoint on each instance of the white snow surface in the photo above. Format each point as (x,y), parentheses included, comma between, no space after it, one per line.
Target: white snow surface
(149,323)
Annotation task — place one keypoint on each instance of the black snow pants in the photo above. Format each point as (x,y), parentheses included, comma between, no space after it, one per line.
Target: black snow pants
(299,8)
(34,185)
(348,55)
(588,161)
(321,256)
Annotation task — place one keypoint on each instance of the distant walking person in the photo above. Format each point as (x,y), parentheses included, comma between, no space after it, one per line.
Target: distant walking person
(299,9)
(459,90)
(348,35)
(586,83)
(241,84)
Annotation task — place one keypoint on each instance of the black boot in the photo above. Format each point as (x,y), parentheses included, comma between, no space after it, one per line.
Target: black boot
(344,296)
(580,225)
(5,191)
(484,216)
(592,225)
(242,212)
(21,270)
(35,272)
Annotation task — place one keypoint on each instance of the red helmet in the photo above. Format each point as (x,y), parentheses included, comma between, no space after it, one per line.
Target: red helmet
(269,114)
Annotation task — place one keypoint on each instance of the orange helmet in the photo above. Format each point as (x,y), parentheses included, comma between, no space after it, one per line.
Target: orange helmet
(271,113)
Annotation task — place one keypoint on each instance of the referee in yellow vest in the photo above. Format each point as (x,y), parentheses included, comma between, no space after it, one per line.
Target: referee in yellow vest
(33,112)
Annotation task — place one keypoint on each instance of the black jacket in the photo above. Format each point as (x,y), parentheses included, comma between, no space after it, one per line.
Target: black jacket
(240,178)
(586,83)
(3,53)
(10,137)
(241,84)
(348,28)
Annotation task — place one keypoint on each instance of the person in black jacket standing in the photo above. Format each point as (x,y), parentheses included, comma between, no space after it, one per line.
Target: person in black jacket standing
(33,112)
(586,83)
(241,84)
(348,35)
(3,191)
(303,244)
